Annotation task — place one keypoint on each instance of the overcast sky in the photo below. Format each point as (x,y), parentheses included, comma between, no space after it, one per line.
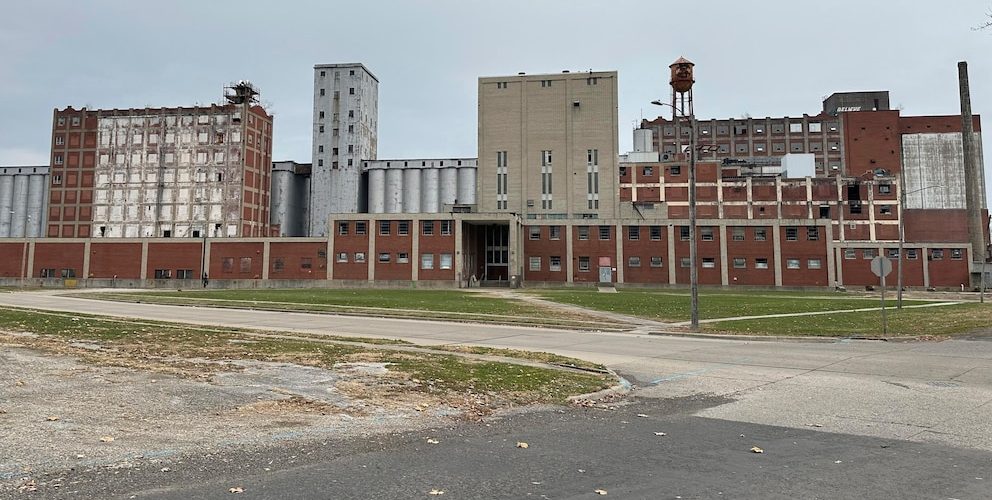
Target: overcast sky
(768,58)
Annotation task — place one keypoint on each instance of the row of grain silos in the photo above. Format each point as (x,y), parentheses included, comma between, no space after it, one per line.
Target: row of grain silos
(23,195)
(419,186)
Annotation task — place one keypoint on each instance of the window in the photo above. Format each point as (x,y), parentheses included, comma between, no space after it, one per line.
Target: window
(351,129)
(685,262)
(796,127)
(554,232)
(59,140)
(402,258)
(885,209)
(501,85)
(359,256)
(584,264)
(546,180)
(706,233)
(709,262)
(351,90)
(545,83)
(791,233)
(75,121)
(351,72)
(655,233)
(592,81)
(738,233)
(278,264)
(501,187)
(342,228)
(869,253)
(360,227)
(849,254)
(936,254)
(957,253)
(648,171)
(427,261)
(245,265)
(792,263)
(633,261)
(56,180)
(384,227)
(535,232)
(446,261)
(815,127)
(656,261)
(58,159)
(61,121)
(403,228)
(583,232)
(675,170)
(911,253)
(554,263)
(684,233)
(162,274)
(184,274)
(761,263)
(446,229)
(740,263)
(892,253)
(227,264)
(884,188)
(814,264)
(604,232)
(812,233)
(535,264)
(306,263)
(384,257)
(343,257)
(760,234)
(634,233)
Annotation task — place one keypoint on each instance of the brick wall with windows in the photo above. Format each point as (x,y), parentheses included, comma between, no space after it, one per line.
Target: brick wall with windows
(438,243)
(297,260)
(645,258)
(592,249)
(235,260)
(60,257)
(546,249)
(349,255)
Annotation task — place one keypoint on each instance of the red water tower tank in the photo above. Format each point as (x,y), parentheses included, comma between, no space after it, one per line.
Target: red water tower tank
(682,75)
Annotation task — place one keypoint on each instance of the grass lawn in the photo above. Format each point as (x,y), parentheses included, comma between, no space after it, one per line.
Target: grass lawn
(937,321)
(428,304)
(176,348)
(674,306)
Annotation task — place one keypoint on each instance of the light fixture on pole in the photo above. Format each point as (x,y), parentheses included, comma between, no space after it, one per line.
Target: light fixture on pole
(681,82)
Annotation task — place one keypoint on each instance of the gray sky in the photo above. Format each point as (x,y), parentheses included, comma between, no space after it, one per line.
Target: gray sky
(769,58)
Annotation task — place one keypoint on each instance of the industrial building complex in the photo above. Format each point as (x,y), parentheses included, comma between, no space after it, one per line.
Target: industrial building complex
(148,197)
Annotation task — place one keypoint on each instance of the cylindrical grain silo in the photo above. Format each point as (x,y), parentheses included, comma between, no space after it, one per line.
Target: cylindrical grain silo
(643,138)
(377,191)
(430,190)
(36,204)
(449,186)
(6,203)
(20,206)
(411,190)
(394,190)
(466,185)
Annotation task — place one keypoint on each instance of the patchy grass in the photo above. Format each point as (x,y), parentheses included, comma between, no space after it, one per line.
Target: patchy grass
(420,304)
(180,349)
(674,306)
(543,357)
(926,321)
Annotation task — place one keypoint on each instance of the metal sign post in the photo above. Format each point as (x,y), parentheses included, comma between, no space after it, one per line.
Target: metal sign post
(881,266)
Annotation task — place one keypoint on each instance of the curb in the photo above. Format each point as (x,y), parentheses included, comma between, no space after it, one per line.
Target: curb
(622,388)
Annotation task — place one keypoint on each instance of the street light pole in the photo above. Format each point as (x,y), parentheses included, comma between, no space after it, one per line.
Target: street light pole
(693,260)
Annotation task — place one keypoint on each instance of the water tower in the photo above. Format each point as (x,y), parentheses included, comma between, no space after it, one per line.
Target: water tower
(681,81)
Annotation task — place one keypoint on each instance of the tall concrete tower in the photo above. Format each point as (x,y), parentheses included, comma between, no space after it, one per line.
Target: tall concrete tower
(345,125)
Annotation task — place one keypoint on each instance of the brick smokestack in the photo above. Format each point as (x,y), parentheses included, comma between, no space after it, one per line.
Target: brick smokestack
(973,183)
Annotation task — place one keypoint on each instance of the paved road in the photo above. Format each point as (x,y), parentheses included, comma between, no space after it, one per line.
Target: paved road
(919,391)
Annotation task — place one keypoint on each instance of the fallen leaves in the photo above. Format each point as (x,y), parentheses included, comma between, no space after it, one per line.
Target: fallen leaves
(642,415)
(236,489)
(600,492)
(755,449)
(52,419)
(432,441)
(435,492)
(521,444)
(107,439)
(660,434)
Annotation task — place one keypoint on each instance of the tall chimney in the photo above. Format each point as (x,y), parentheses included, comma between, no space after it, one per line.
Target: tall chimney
(973,182)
